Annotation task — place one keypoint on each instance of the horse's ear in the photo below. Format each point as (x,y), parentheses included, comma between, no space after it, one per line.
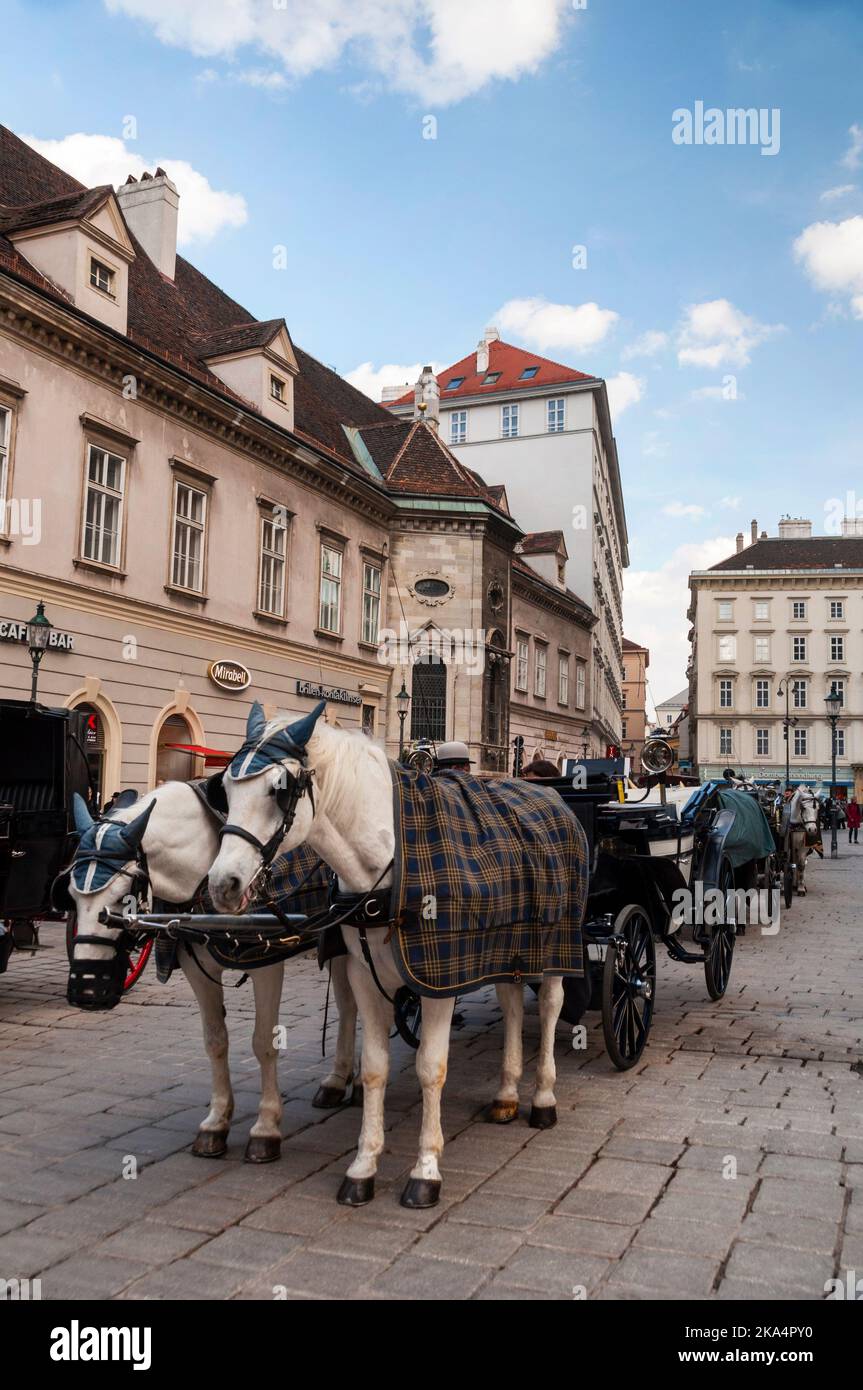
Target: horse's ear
(133,833)
(81,816)
(256,723)
(300,732)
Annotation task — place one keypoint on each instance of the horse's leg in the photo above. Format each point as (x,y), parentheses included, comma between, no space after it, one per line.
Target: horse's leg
(333,1088)
(543,1111)
(801,865)
(265,1136)
(376,1013)
(504,1107)
(423,1186)
(212,1138)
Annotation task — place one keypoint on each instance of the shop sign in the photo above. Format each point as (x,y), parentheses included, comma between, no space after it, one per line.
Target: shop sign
(229,675)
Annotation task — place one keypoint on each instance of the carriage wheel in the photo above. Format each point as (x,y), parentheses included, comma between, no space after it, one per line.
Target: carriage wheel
(408,1016)
(718,954)
(628,987)
(137,959)
(788,885)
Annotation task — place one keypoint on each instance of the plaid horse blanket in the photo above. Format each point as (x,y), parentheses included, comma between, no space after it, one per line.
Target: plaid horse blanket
(301,881)
(490,882)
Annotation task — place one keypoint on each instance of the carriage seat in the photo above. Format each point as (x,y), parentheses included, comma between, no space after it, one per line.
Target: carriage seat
(27,796)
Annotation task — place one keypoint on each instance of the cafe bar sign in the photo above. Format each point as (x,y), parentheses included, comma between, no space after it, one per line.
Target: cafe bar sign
(336,694)
(12,631)
(229,675)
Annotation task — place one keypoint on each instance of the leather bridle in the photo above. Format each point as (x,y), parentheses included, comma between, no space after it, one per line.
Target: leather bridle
(288,798)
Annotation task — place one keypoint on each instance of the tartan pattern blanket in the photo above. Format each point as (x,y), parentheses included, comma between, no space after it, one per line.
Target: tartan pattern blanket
(490,882)
(301,881)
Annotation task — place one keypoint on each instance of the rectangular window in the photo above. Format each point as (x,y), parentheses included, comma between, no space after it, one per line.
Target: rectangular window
(271,578)
(521,659)
(371,602)
(540,669)
(801,743)
(725,610)
(277,389)
(762,611)
(555,415)
(728,648)
(529,373)
(330,615)
(563,680)
(838,688)
(509,421)
(762,743)
(798,610)
(725,743)
(840,743)
(101,277)
(798,649)
(837,608)
(5,432)
(103,506)
(190,519)
(454,383)
(458,427)
(580,684)
(726,694)
(762,694)
(837,648)
(799,694)
(762,649)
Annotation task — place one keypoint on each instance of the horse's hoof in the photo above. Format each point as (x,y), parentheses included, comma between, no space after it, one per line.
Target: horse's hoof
(356,1192)
(420,1193)
(210,1143)
(357,1096)
(502,1112)
(329,1097)
(263,1148)
(543,1116)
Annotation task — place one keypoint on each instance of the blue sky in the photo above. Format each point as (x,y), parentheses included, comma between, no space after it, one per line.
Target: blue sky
(302,126)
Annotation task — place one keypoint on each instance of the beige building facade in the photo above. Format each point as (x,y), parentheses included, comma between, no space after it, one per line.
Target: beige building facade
(636,660)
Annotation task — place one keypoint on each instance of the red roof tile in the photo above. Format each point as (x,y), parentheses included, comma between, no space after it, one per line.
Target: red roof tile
(510,362)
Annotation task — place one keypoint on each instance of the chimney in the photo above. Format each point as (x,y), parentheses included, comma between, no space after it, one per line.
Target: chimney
(754,532)
(795,528)
(427,398)
(491,335)
(739,541)
(150,209)
(852,526)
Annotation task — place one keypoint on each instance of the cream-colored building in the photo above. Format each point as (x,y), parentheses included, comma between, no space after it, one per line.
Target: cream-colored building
(636,660)
(775,628)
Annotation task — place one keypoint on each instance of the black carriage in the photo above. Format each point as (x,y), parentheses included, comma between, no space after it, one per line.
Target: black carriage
(43,762)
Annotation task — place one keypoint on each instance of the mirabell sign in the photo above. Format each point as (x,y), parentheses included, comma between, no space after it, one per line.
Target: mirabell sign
(229,675)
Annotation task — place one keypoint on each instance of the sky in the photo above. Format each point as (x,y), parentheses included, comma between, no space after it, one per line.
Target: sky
(392,176)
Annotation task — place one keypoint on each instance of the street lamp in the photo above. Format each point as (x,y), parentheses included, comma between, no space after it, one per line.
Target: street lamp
(787,724)
(403,700)
(585,735)
(38,635)
(834,710)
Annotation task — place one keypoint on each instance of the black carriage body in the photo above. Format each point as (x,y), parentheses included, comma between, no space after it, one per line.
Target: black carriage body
(42,764)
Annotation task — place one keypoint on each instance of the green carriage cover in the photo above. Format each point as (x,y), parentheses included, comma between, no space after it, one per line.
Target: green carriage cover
(750,837)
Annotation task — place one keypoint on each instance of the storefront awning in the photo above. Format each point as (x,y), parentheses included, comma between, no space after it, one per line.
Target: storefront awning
(213,757)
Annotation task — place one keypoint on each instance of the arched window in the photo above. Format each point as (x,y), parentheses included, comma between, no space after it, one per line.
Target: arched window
(428,700)
(94,744)
(172,764)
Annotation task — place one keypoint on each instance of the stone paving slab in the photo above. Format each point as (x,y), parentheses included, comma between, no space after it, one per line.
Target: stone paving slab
(727,1164)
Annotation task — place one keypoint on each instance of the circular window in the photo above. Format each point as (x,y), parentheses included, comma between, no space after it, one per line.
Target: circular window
(496,595)
(431,588)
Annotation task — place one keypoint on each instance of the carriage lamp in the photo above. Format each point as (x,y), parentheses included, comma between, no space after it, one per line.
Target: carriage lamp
(38,635)
(834,710)
(403,701)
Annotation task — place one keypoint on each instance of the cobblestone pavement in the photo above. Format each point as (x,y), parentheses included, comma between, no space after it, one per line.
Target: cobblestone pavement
(626,1198)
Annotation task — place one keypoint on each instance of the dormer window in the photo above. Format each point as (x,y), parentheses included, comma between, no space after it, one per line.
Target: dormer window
(529,373)
(454,383)
(102,277)
(277,389)
(490,378)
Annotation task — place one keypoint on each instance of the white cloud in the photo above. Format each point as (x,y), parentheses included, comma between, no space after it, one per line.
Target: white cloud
(555,327)
(690,509)
(731,503)
(99,159)
(831,254)
(654,608)
(439,51)
(716,333)
(371,380)
(831,194)
(648,345)
(853,157)
(624,390)
(653,446)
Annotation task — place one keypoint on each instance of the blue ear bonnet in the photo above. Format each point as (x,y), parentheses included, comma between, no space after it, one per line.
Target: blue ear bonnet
(258,753)
(102,852)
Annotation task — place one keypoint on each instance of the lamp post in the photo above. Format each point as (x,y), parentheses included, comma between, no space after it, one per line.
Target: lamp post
(585,735)
(38,635)
(834,711)
(787,724)
(403,701)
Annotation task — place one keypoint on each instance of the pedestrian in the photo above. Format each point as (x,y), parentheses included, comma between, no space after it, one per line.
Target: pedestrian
(852,815)
(452,757)
(540,770)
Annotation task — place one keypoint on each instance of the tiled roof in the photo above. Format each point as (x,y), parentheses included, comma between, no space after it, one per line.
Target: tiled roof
(67,208)
(632,646)
(681,698)
(510,362)
(812,553)
(414,459)
(529,572)
(240,337)
(543,543)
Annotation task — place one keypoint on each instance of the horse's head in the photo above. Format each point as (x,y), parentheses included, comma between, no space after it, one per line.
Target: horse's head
(271,804)
(107,874)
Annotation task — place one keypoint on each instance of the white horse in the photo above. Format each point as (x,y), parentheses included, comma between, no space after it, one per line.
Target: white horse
(340,799)
(167,842)
(804,833)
